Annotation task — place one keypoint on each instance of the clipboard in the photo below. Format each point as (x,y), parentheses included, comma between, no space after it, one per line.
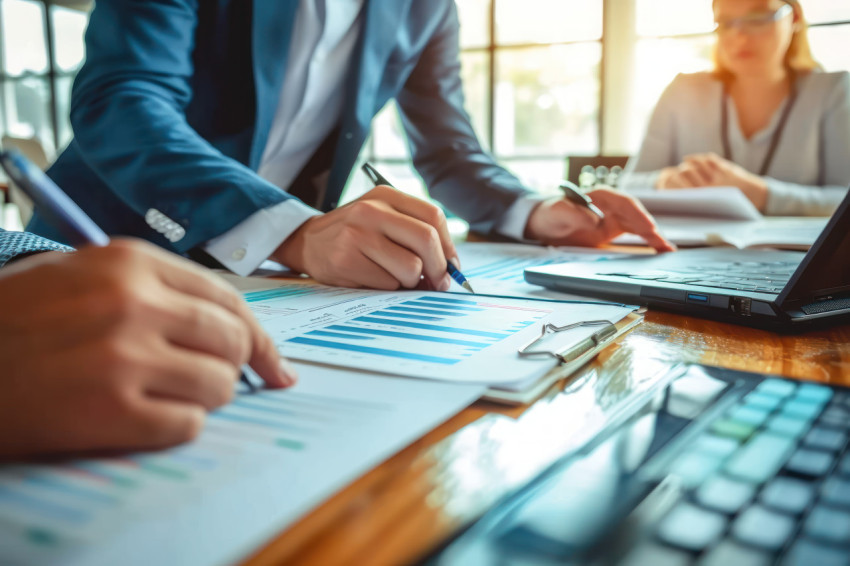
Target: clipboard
(570,361)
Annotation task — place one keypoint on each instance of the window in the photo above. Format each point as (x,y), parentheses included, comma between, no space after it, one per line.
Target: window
(532,88)
(36,74)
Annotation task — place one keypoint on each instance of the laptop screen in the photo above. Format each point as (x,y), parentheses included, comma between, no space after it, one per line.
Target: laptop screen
(825,271)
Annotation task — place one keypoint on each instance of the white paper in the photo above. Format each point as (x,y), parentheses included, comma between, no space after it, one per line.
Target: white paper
(261,464)
(497,268)
(770,232)
(462,338)
(710,202)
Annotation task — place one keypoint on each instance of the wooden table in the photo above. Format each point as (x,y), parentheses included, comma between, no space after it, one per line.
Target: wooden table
(403,508)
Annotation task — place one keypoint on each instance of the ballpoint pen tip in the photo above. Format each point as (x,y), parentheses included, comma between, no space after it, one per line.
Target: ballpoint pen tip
(468,287)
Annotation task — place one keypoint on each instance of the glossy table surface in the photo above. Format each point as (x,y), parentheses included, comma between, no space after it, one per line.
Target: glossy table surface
(405,507)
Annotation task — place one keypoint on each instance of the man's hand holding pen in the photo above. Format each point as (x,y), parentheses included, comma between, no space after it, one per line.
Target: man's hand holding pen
(564,222)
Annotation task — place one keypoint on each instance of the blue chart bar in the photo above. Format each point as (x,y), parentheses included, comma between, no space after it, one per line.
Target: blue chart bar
(449,301)
(450,308)
(492,269)
(277,293)
(424,311)
(375,351)
(253,420)
(411,316)
(327,334)
(43,507)
(406,336)
(432,327)
(54,484)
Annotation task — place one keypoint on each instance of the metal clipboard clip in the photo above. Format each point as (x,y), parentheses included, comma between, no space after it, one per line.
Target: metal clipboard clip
(597,338)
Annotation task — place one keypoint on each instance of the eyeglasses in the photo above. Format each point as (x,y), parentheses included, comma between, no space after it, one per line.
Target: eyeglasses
(753,24)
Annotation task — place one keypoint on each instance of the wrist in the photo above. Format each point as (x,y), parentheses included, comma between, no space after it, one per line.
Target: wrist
(291,252)
(757,191)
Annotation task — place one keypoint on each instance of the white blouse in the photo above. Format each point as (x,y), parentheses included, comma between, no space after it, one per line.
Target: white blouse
(810,171)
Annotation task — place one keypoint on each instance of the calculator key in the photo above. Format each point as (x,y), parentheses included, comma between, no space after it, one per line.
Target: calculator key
(657,555)
(807,552)
(725,494)
(814,392)
(776,387)
(762,400)
(730,553)
(827,524)
(761,458)
(844,467)
(760,527)
(788,494)
(692,468)
(788,425)
(825,439)
(810,463)
(691,528)
(749,415)
(802,408)
(733,429)
(719,446)
(836,492)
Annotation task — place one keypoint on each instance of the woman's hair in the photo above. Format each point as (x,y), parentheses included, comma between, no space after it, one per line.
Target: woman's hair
(798,58)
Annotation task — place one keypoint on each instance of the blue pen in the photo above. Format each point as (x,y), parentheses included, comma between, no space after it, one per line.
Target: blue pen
(453,271)
(58,208)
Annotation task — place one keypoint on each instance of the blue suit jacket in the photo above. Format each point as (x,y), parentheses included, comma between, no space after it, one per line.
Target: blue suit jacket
(173,107)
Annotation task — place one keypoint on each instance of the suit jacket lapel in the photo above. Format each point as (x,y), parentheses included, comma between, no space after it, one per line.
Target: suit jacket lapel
(271,37)
(377,40)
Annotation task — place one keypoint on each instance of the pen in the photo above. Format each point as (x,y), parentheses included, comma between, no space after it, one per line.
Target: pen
(573,194)
(59,209)
(453,271)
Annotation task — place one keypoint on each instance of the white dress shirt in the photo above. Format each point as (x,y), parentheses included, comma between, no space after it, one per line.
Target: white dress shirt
(321,50)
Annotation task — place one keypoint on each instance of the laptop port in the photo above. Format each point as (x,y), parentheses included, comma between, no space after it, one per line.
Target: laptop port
(741,305)
(697,298)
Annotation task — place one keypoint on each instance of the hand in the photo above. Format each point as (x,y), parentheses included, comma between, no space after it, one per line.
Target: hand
(711,170)
(122,347)
(383,240)
(562,223)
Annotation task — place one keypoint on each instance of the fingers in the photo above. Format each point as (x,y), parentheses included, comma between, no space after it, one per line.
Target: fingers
(160,423)
(632,217)
(427,257)
(262,355)
(205,327)
(419,209)
(193,377)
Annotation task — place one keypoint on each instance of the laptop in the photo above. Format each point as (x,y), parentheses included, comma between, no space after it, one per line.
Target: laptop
(720,468)
(777,289)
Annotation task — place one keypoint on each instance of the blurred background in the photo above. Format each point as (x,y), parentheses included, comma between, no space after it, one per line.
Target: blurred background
(544,79)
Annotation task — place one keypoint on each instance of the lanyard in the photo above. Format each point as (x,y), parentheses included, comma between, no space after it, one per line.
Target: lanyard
(777,135)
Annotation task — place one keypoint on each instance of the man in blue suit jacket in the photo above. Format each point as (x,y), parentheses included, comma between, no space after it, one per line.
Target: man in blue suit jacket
(231,127)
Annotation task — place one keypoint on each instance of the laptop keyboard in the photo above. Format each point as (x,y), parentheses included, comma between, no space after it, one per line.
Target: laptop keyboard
(760,277)
(769,482)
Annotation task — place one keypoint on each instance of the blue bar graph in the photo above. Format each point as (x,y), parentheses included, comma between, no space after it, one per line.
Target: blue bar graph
(424,311)
(252,420)
(410,316)
(449,301)
(327,334)
(432,327)
(48,508)
(450,308)
(408,336)
(288,291)
(52,483)
(375,351)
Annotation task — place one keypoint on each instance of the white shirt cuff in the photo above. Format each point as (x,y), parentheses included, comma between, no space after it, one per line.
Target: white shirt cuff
(513,222)
(248,244)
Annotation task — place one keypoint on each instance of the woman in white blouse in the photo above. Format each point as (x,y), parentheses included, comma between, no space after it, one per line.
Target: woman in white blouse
(767,120)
